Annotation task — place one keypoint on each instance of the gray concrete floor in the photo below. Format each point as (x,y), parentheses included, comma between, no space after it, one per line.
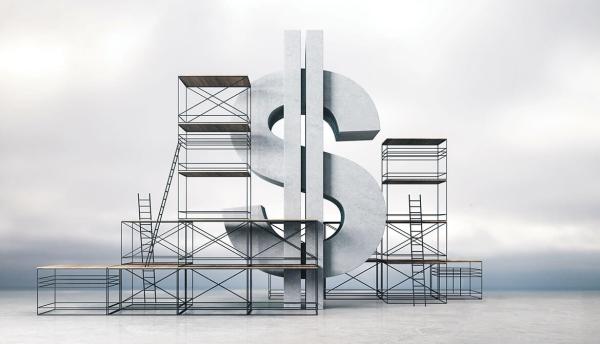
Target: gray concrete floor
(510,317)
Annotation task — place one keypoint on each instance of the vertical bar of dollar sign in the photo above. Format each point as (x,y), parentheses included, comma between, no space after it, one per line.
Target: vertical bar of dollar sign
(292,94)
(314,162)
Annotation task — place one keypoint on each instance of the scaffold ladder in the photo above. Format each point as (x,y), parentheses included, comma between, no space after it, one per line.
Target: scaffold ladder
(145,217)
(163,202)
(417,252)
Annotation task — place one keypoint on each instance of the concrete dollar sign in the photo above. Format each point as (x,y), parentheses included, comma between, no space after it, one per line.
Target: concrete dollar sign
(352,116)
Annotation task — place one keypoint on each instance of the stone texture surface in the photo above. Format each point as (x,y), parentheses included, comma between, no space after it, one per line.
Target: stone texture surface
(353,116)
(313,170)
(292,200)
(540,317)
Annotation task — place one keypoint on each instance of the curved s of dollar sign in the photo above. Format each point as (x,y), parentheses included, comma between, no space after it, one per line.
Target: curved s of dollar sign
(351,114)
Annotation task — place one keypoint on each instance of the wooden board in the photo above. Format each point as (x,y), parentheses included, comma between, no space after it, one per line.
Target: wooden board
(199,127)
(215,81)
(180,267)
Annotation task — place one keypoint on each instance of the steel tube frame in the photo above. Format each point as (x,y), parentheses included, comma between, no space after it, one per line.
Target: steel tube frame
(190,262)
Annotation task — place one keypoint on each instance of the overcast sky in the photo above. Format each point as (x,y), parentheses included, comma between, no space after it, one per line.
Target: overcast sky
(88,101)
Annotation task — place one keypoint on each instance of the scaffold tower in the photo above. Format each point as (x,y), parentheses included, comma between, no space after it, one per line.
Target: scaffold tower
(413,179)
(208,260)
(214,125)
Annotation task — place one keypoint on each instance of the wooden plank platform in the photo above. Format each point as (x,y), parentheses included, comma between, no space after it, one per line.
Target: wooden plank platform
(464,261)
(215,80)
(409,221)
(193,127)
(226,220)
(412,142)
(413,261)
(216,266)
(413,181)
(214,173)
(73,267)
(405,261)
(165,266)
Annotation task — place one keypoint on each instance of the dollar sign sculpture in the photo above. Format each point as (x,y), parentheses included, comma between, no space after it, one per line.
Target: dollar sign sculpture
(351,114)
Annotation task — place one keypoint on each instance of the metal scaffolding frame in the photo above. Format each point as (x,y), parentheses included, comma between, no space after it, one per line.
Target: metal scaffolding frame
(411,265)
(176,267)
(214,122)
(461,279)
(187,273)
(413,180)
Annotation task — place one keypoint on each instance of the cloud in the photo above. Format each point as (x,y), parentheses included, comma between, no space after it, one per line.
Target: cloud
(87,109)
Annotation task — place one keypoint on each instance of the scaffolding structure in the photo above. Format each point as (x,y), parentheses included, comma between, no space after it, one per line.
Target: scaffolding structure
(414,183)
(189,266)
(192,265)
(411,265)
(362,283)
(461,279)
(414,264)
(189,279)
(214,124)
